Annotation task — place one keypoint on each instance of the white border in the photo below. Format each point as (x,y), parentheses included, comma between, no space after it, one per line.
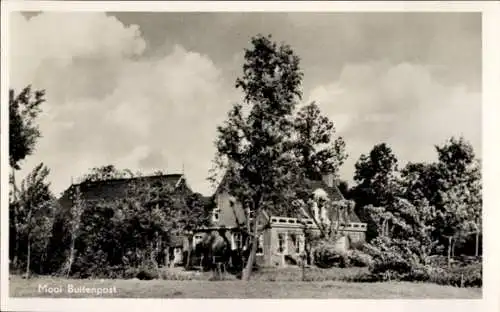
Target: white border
(491,157)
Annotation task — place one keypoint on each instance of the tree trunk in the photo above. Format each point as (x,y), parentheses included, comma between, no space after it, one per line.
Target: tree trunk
(16,249)
(449,250)
(247,271)
(71,256)
(477,244)
(16,227)
(44,256)
(167,256)
(303,267)
(188,260)
(28,258)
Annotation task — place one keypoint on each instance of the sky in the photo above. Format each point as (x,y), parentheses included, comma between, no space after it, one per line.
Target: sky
(146,91)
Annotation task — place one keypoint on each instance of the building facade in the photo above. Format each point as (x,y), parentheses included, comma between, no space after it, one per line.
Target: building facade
(282,241)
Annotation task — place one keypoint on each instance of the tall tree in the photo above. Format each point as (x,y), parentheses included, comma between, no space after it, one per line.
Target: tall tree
(253,146)
(36,206)
(460,200)
(74,224)
(377,183)
(24,108)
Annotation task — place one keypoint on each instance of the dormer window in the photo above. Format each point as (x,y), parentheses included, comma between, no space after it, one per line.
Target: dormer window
(216,214)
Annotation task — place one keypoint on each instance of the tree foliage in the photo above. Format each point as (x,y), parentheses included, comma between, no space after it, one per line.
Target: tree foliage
(24,109)
(377,183)
(33,218)
(253,144)
(108,172)
(106,237)
(316,150)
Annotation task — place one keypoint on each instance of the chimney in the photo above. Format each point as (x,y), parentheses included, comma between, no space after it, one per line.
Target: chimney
(329,179)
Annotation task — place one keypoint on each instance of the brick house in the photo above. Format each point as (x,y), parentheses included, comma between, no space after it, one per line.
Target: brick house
(282,239)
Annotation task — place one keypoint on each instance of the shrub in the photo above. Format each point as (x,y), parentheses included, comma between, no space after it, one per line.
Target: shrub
(147,271)
(466,276)
(130,273)
(359,259)
(327,255)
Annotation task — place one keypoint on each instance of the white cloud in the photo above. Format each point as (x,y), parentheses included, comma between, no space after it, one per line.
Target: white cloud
(403,105)
(111,103)
(107,103)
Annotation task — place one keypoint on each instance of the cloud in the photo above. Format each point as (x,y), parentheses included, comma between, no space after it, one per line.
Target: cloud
(150,98)
(401,104)
(107,103)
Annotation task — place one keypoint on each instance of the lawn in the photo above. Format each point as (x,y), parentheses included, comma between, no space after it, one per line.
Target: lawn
(133,288)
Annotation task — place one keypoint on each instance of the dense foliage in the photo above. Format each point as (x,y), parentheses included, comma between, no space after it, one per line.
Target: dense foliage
(137,231)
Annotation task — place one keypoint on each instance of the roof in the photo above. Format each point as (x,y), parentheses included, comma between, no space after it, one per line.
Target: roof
(115,188)
(333,192)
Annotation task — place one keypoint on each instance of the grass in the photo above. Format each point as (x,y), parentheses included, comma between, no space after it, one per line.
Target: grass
(134,288)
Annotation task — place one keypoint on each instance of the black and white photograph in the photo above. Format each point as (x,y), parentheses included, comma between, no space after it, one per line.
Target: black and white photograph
(243,154)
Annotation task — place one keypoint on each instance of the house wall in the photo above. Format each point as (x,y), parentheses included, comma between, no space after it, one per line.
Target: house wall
(231,213)
(273,257)
(277,258)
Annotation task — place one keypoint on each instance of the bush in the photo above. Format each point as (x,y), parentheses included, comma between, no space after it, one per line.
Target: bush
(130,273)
(147,271)
(312,274)
(466,276)
(359,259)
(327,255)
(395,264)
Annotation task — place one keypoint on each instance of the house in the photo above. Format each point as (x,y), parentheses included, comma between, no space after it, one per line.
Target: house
(114,189)
(282,239)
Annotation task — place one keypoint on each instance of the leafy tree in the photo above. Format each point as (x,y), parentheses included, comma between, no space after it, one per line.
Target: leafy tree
(453,186)
(316,150)
(24,108)
(421,181)
(132,231)
(253,145)
(404,242)
(35,215)
(460,197)
(377,182)
(74,223)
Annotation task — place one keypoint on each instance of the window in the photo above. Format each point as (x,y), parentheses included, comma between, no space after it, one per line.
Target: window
(260,245)
(295,242)
(238,241)
(216,214)
(281,242)
(301,243)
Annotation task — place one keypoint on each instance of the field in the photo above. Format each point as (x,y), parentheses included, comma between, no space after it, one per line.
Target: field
(133,288)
